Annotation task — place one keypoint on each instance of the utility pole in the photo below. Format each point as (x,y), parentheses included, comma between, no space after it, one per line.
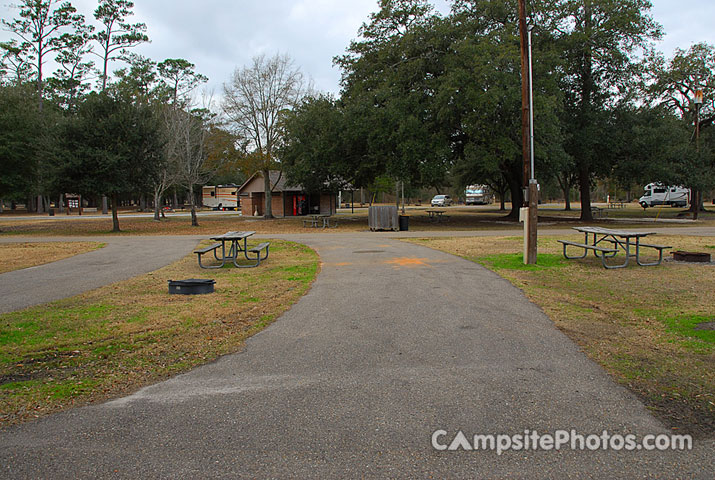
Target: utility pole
(531,192)
(696,191)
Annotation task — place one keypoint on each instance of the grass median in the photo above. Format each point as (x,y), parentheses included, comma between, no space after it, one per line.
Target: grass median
(15,256)
(651,328)
(123,336)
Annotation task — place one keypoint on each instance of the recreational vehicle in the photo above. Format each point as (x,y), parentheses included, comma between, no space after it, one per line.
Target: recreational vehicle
(477,195)
(659,194)
(220,197)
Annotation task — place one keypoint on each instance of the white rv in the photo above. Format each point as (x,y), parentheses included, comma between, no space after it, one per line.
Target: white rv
(220,197)
(478,195)
(659,194)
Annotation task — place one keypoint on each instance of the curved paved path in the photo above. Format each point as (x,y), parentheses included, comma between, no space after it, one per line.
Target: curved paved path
(120,259)
(393,342)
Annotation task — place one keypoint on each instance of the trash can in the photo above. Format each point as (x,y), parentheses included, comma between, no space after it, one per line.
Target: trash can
(52,212)
(404,223)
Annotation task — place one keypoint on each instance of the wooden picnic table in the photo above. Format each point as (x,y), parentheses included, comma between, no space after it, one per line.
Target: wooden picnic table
(616,204)
(607,243)
(317,220)
(437,216)
(238,243)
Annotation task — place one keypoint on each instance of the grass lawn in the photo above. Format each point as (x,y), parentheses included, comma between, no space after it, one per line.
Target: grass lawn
(461,218)
(651,328)
(14,256)
(117,338)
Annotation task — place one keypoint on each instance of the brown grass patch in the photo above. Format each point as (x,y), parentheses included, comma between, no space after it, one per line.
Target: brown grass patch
(637,322)
(461,218)
(115,339)
(14,256)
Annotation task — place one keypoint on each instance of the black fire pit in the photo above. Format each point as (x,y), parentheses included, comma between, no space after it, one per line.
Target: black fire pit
(192,286)
(681,256)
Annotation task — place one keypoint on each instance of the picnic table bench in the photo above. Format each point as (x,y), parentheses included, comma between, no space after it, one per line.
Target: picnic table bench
(619,240)
(616,204)
(235,248)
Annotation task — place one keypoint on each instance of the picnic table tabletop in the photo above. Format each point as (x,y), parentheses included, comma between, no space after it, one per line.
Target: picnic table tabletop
(232,236)
(612,232)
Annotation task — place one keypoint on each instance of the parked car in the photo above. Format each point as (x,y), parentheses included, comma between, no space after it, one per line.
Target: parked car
(441,201)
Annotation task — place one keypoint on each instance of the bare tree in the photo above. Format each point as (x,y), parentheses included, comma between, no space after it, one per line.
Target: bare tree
(255,99)
(187,149)
(167,174)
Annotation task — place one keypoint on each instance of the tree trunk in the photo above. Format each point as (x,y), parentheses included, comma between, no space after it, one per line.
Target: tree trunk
(268,207)
(61,203)
(157,204)
(40,204)
(502,201)
(115,213)
(567,198)
(105,208)
(142,203)
(194,218)
(517,196)
(1,205)
(175,205)
(584,180)
(694,201)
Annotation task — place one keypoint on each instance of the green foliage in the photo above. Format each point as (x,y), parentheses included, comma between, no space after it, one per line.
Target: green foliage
(43,27)
(390,86)
(116,34)
(109,147)
(600,41)
(138,82)
(20,130)
(179,78)
(316,149)
(672,88)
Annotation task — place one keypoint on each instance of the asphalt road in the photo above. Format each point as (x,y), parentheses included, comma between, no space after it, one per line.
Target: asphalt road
(393,342)
(120,259)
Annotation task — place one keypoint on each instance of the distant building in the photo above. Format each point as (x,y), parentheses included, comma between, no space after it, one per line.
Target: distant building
(287,200)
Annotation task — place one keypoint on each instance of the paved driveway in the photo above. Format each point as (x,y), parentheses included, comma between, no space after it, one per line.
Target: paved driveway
(120,259)
(393,342)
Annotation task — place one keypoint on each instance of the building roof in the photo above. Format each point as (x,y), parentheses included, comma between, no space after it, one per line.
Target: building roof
(278,182)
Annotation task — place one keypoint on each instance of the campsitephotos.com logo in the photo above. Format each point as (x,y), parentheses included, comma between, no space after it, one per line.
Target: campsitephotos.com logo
(558,440)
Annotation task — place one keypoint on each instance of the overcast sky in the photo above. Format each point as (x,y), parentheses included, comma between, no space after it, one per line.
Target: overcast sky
(220,35)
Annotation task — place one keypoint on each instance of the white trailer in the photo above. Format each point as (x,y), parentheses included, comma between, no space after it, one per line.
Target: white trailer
(220,197)
(478,195)
(659,194)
